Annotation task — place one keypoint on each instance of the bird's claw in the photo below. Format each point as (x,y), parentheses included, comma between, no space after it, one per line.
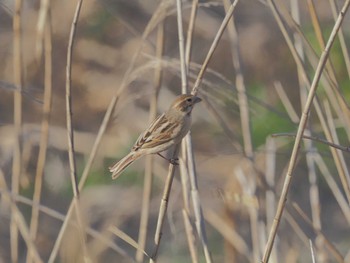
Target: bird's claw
(174,161)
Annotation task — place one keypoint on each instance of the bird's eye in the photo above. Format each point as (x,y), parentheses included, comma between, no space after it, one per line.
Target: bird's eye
(189,100)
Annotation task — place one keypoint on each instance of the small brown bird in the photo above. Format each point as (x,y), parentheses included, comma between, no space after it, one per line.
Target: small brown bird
(166,130)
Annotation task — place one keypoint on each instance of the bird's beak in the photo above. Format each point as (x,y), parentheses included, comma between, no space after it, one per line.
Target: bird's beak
(196,100)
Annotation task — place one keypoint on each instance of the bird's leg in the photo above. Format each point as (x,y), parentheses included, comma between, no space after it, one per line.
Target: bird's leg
(173,161)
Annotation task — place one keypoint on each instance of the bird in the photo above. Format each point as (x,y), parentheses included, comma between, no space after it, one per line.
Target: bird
(166,130)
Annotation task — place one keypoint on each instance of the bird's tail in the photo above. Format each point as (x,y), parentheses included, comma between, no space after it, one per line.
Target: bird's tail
(120,166)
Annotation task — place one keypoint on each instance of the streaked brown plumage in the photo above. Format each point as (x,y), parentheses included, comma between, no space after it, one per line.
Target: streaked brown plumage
(166,130)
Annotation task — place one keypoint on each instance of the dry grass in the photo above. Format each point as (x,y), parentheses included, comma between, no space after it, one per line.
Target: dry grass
(244,192)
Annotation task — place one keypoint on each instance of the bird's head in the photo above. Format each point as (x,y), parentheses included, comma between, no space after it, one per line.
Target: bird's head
(185,103)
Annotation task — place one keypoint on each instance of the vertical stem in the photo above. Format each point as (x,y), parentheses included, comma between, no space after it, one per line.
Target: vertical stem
(184,173)
(34,222)
(313,191)
(17,118)
(70,131)
(163,208)
(246,128)
(190,33)
(147,190)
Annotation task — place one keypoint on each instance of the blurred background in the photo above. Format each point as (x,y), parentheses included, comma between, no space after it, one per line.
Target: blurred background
(255,86)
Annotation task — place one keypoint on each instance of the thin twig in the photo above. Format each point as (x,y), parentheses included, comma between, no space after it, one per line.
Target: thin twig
(334,251)
(303,120)
(71,153)
(338,156)
(227,232)
(127,239)
(19,220)
(198,211)
(17,118)
(309,148)
(163,208)
(213,46)
(41,25)
(147,190)
(190,236)
(188,150)
(338,195)
(184,173)
(341,37)
(245,126)
(314,138)
(286,102)
(34,222)
(69,113)
(181,47)
(271,183)
(312,252)
(190,31)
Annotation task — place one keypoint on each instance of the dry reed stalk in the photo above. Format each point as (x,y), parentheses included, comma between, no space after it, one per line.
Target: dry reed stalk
(163,208)
(245,126)
(308,145)
(303,120)
(34,222)
(190,236)
(338,155)
(334,251)
(316,139)
(240,86)
(341,37)
(198,211)
(319,36)
(338,195)
(71,154)
(296,228)
(292,114)
(19,219)
(228,232)
(312,252)
(228,132)
(185,183)
(69,111)
(270,180)
(190,31)
(183,161)
(116,231)
(187,144)
(180,34)
(70,134)
(213,46)
(147,190)
(332,86)
(43,17)
(17,119)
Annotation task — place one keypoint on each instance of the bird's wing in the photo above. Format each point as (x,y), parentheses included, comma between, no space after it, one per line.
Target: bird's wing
(159,132)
